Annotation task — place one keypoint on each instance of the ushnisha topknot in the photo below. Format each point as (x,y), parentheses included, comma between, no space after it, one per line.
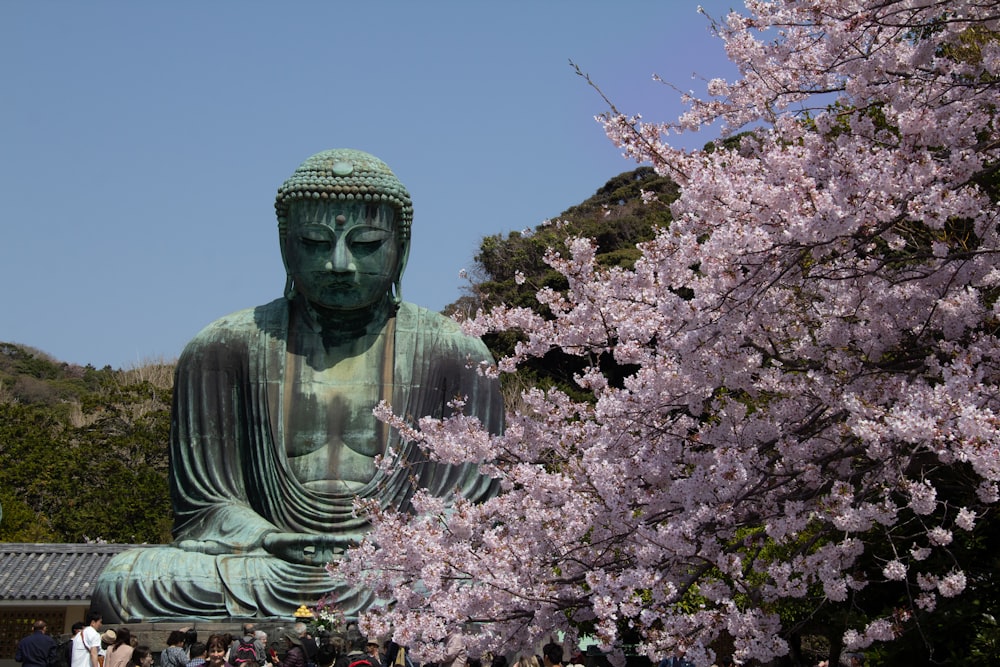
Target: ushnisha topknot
(345,174)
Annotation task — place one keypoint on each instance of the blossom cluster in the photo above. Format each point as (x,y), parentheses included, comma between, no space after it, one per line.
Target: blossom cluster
(327,617)
(812,403)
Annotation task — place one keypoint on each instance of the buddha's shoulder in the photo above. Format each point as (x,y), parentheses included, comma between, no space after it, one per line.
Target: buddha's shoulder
(437,329)
(242,326)
(411,317)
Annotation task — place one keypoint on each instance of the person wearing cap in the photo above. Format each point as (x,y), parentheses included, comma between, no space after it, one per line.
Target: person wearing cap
(372,649)
(33,650)
(120,651)
(273,435)
(107,639)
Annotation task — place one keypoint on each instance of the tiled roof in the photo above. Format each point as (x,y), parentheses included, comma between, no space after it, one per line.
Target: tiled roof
(53,571)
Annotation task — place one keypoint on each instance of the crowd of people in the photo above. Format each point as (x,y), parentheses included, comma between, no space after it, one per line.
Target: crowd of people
(87,646)
(90,647)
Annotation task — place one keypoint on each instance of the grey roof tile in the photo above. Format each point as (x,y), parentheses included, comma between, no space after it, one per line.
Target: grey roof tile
(53,571)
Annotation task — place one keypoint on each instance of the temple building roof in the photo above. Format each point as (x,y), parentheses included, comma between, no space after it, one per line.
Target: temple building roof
(55,572)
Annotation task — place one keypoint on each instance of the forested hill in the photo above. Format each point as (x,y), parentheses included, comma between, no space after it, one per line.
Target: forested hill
(615,217)
(627,210)
(83,451)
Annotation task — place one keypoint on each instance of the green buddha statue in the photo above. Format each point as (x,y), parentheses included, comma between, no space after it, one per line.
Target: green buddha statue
(273,436)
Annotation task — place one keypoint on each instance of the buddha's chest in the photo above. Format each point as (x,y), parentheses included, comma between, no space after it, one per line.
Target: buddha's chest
(333,408)
(330,435)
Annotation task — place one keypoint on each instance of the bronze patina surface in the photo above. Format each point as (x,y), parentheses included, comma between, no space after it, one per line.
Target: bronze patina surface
(273,436)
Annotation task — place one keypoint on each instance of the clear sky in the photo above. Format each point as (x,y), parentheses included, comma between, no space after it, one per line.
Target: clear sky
(142,143)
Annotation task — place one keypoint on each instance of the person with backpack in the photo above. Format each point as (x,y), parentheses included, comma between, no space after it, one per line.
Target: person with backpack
(61,655)
(246,651)
(246,631)
(33,650)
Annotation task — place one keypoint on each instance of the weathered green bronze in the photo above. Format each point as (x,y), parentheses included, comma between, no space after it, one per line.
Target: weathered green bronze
(273,435)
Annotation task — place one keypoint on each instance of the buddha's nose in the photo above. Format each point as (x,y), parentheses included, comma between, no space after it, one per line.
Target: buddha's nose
(342,260)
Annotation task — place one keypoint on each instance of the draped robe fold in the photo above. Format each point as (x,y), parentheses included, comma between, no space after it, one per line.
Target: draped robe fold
(231,482)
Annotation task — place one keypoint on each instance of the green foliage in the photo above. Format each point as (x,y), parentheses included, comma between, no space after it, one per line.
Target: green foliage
(615,218)
(83,452)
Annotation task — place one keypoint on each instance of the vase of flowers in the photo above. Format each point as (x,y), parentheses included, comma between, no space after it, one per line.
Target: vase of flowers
(327,618)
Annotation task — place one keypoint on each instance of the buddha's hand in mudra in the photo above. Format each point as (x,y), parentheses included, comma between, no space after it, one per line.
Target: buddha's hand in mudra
(211,547)
(306,548)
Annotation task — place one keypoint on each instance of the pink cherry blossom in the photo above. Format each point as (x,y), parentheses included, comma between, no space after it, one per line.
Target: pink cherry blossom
(952,584)
(811,345)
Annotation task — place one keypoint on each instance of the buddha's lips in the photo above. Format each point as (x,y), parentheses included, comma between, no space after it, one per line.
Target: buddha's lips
(335,283)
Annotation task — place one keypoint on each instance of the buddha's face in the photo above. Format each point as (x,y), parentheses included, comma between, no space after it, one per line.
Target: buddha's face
(343,256)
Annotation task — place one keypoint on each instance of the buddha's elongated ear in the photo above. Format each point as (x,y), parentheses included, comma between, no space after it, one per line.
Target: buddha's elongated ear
(282,236)
(397,280)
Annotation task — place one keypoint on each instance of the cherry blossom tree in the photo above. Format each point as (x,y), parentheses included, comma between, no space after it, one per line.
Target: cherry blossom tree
(810,412)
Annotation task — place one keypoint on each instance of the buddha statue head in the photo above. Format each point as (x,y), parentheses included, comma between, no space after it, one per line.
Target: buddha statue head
(344,225)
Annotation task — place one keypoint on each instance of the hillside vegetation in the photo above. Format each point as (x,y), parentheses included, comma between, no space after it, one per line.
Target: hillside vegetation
(83,452)
(511,269)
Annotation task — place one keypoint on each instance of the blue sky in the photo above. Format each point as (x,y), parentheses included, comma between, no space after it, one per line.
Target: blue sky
(141,143)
